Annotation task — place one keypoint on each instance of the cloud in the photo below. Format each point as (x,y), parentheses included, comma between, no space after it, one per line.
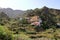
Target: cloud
(4,3)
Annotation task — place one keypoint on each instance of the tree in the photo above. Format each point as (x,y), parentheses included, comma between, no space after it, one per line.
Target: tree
(5,34)
(3,18)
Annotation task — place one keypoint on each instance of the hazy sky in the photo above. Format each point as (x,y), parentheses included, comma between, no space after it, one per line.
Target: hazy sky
(29,4)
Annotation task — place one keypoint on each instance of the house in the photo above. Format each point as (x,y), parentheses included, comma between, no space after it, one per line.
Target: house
(20,18)
(58,25)
(35,20)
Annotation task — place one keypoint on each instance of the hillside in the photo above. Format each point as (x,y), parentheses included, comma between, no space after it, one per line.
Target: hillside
(48,15)
(12,13)
(46,24)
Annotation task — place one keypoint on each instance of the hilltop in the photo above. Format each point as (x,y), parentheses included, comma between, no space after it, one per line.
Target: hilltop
(12,13)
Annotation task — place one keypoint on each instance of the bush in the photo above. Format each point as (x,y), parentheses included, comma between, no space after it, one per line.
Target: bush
(22,36)
(5,34)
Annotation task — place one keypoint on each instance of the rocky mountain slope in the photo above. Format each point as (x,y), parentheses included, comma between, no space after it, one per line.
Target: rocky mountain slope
(12,13)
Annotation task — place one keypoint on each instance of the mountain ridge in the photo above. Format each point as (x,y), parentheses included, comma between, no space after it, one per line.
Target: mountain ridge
(12,13)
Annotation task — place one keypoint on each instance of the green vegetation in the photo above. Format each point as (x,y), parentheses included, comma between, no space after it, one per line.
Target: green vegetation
(5,34)
(16,29)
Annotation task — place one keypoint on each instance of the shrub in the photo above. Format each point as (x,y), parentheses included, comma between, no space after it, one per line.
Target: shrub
(5,34)
(22,36)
